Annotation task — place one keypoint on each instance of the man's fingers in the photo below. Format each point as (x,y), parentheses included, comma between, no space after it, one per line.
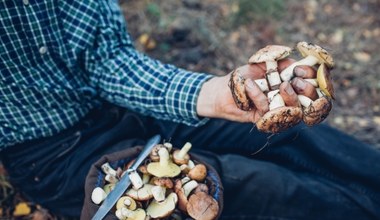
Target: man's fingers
(257,96)
(305,72)
(302,87)
(288,94)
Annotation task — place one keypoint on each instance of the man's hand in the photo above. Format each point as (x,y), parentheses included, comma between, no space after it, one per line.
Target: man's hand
(215,99)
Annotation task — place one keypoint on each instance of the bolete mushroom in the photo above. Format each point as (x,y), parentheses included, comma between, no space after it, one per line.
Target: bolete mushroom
(142,194)
(126,202)
(165,167)
(181,156)
(325,81)
(107,169)
(126,214)
(313,54)
(202,206)
(183,190)
(98,195)
(198,173)
(270,55)
(279,117)
(162,209)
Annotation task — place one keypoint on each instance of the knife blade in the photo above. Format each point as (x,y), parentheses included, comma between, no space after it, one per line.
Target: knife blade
(124,182)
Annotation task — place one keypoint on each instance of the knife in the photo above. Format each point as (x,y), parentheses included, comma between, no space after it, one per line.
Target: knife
(124,182)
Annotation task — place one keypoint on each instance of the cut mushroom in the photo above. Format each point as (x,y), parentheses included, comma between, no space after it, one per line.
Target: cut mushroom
(313,54)
(136,180)
(202,206)
(279,117)
(162,209)
(107,169)
(181,156)
(270,55)
(142,194)
(165,167)
(98,195)
(158,193)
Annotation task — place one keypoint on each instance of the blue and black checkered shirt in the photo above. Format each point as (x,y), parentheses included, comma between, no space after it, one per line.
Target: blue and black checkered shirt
(61,58)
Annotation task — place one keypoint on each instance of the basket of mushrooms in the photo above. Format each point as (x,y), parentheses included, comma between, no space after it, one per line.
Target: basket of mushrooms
(171,183)
(281,117)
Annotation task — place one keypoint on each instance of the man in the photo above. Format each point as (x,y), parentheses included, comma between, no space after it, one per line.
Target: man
(69,71)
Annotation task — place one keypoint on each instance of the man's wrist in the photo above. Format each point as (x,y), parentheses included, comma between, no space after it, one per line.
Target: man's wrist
(207,98)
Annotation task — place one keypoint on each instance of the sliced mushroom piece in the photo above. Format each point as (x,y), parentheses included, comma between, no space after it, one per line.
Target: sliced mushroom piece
(315,112)
(181,156)
(237,87)
(165,167)
(107,169)
(98,195)
(202,206)
(313,54)
(126,202)
(162,209)
(279,117)
(325,81)
(270,55)
(136,180)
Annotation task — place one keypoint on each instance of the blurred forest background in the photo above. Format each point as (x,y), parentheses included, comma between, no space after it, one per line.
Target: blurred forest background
(216,36)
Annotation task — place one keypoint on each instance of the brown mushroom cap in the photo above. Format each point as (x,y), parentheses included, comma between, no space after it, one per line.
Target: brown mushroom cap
(182,199)
(270,53)
(237,87)
(164,182)
(198,173)
(202,206)
(318,52)
(279,119)
(317,111)
(325,81)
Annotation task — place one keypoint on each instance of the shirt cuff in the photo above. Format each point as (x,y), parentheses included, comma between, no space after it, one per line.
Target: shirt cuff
(181,97)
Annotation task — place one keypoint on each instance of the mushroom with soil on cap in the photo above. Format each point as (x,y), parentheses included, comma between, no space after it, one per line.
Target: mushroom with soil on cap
(162,209)
(270,55)
(165,167)
(279,117)
(313,54)
(202,206)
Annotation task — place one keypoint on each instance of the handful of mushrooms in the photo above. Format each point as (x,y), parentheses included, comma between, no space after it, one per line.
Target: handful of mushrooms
(168,185)
(281,117)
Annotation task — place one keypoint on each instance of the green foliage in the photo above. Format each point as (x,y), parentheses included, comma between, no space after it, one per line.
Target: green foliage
(153,10)
(257,11)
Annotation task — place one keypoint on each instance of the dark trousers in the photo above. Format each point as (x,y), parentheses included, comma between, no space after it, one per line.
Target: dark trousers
(303,173)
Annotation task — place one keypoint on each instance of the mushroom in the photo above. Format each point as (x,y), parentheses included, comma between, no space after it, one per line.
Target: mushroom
(126,202)
(279,117)
(202,206)
(270,55)
(154,152)
(107,169)
(183,190)
(124,213)
(108,187)
(98,195)
(181,156)
(165,167)
(313,54)
(198,173)
(325,81)
(164,208)
(142,194)
(201,188)
(136,180)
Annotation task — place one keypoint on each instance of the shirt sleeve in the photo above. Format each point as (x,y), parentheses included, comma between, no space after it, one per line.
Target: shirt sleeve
(128,78)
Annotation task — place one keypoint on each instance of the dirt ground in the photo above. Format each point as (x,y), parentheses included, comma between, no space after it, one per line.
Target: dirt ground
(215,36)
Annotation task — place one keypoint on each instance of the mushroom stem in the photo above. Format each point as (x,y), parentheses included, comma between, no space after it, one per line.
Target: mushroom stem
(184,150)
(263,84)
(164,157)
(287,73)
(159,193)
(189,186)
(98,195)
(107,169)
(304,100)
(135,179)
(313,82)
(272,74)
(275,99)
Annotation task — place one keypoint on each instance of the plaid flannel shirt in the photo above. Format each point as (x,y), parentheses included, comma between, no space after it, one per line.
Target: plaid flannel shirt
(59,59)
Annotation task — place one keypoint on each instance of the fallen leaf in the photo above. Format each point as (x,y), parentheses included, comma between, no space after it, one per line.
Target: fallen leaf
(21,209)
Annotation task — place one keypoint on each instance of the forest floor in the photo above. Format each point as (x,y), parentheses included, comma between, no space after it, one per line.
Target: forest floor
(216,36)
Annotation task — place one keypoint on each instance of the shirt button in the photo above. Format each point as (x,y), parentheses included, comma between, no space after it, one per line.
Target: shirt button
(26,2)
(43,50)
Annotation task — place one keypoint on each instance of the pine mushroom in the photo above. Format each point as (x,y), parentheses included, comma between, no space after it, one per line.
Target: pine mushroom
(270,55)
(313,54)
(165,167)
(162,209)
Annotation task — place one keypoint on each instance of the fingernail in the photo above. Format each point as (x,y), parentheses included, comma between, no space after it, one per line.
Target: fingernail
(289,89)
(298,71)
(300,84)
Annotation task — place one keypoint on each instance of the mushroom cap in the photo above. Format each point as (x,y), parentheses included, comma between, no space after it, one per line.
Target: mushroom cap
(182,199)
(270,53)
(202,206)
(164,208)
(279,119)
(171,170)
(179,160)
(325,81)
(138,214)
(198,173)
(237,87)
(317,111)
(164,182)
(121,203)
(321,54)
